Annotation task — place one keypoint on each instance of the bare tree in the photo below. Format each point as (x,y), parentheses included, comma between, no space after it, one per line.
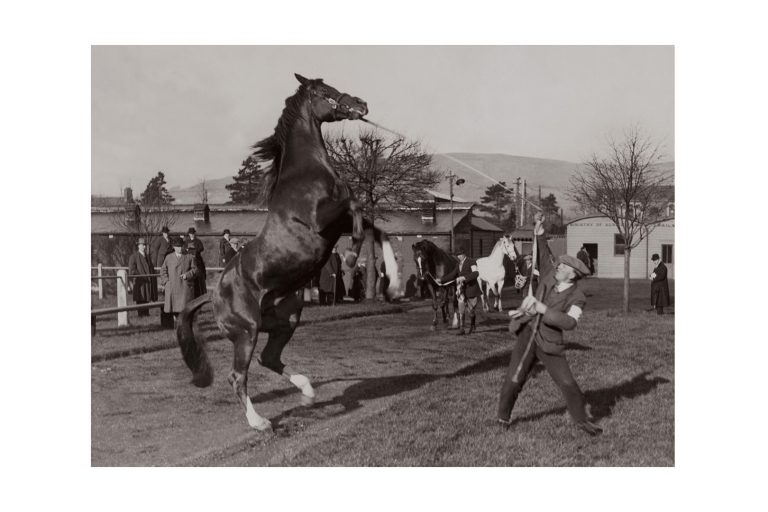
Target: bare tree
(625,186)
(202,192)
(384,175)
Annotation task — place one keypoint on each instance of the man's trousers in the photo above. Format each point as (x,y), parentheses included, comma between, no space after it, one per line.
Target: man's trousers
(524,355)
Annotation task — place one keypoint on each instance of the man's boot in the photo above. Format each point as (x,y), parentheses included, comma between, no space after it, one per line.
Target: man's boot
(461,325)
(471,323)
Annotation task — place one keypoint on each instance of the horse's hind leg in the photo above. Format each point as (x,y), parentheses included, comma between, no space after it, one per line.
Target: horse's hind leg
(238,379)
(243,332)
(280,321)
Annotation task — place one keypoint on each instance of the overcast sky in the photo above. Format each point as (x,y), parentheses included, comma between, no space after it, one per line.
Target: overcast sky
(193,111)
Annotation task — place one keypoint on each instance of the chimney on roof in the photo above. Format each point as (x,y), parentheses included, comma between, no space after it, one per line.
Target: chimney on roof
(128,195)
(132,215)
(202,214)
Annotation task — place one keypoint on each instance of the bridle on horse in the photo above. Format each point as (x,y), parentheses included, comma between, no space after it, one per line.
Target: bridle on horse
(429,274)
(335,103)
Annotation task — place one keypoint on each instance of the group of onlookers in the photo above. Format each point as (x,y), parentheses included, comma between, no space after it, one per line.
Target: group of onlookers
(337,280)
(182,270)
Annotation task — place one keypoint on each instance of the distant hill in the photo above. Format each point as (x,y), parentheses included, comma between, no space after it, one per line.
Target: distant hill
(552,175)
(217,194)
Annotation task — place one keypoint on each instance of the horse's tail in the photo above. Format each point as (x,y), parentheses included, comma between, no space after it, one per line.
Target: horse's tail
(192,349)
(390,264)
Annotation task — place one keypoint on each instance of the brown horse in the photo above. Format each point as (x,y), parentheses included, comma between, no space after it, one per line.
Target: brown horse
(310,207)
(434,263)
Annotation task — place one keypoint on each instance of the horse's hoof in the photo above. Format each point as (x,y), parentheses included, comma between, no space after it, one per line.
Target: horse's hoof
(266,427)
(433,328)
(307,400)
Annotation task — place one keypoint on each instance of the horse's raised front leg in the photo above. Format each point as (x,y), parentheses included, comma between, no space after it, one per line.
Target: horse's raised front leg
(281,321)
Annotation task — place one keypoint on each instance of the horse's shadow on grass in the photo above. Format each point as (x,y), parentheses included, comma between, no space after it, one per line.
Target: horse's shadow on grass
(601,401)
(380,387)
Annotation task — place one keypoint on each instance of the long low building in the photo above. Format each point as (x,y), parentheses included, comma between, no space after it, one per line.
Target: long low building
(114,231)
(606,246)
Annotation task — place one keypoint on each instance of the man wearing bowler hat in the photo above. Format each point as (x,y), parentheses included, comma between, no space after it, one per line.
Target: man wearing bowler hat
(194,247)
(144,287)
(161,247)
(224,247)
(177,275)
(539,323)
(659,285)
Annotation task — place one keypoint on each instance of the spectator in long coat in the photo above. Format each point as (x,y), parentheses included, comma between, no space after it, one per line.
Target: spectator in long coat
(358,283)
(161,247)
(659,285)
(347,273)
(330,279)
(584,257)
(177,275)
(231,250)
(195,248)
(144,288)
(224,247)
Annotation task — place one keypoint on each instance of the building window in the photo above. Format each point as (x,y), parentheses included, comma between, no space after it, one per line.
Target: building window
(481,247)
(666,253)
(618,245)
(671,210)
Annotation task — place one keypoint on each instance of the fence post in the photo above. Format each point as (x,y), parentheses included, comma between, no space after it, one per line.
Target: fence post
(101,286)
(122,296)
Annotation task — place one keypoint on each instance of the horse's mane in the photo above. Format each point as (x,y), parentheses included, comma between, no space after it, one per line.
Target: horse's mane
(433,249)
(271,148)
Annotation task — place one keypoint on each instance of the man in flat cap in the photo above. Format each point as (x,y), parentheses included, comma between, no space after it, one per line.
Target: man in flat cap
(467,288)
(659,285)
(144,287)
(539,323)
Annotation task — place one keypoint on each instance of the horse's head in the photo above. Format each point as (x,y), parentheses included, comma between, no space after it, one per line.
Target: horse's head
(421,255)
(328,104)
(509,247)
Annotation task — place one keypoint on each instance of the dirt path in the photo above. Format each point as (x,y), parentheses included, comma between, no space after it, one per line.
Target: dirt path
(145,412)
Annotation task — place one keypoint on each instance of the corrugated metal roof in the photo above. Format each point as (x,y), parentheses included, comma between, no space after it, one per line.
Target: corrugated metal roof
(484,225)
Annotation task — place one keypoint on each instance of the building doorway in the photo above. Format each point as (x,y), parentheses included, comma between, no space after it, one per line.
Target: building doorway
(592,251)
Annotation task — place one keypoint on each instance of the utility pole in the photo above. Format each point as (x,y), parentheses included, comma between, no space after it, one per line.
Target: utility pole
(451,182)
(517,200)
(450,187)
(523,201)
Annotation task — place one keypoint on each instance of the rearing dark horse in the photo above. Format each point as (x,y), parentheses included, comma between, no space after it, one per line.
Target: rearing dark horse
(433,263)
(310,206)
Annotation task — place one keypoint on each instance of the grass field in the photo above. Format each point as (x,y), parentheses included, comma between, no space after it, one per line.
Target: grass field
(391,393)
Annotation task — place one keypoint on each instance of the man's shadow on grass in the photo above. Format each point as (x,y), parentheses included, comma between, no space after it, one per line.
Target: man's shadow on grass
(602,401)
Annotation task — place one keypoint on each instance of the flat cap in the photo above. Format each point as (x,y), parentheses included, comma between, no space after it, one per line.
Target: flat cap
(177,242)
(574,263)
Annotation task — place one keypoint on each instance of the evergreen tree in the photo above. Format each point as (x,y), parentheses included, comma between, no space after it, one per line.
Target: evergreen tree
(248,183)
(156,193)
(498,202)
(549,207)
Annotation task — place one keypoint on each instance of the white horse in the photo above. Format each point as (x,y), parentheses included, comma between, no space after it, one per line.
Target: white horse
(491,271)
